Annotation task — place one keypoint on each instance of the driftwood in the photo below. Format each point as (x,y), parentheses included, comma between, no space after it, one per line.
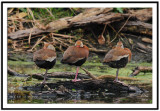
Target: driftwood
(147,40)
(14,73)
(69,75)
(86,85)
(93,15)
(143,15)
(140,43)
(97,50)
(132,23)
(136,27)
(139,69)
(92,76)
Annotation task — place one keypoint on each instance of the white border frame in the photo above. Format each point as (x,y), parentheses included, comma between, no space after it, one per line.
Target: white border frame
(40,5)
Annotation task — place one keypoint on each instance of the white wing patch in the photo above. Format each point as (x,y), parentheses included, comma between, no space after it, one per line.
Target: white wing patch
(77,60)
(120,57)
(50,59)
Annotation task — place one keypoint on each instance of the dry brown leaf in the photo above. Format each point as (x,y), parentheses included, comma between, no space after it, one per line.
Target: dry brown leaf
(101,40)
(21,26)
(130,41)
(21,15)
(147,40)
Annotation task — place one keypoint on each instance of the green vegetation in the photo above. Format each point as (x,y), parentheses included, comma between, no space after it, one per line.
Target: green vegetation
(46,15)
(95,67)
(118,10)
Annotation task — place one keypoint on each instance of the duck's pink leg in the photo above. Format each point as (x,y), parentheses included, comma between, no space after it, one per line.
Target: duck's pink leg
(76,75)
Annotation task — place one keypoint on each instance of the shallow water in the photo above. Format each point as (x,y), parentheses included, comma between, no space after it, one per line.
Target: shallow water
(16,94)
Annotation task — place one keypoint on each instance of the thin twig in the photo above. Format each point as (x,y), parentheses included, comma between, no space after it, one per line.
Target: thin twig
(38,41)
(31,13)
(62,43)
(64,36)
(104,29)
(108,38)
(93,33)
(50,12)
(29,39)
(113,29)
(121,29)
(97,51)
(72,10)
(90,75)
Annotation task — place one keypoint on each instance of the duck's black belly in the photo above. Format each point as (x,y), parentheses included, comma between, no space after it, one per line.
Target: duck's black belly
(118,64)
(78,63)
(45,64)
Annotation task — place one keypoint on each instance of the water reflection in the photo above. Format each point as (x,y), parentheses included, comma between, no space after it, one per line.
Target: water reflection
(87,97)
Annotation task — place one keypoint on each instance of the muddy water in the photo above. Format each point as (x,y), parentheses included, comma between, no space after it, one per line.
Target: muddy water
(17,94)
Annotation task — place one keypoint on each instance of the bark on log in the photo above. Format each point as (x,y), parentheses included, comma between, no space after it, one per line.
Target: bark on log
(138,46)
(69,75)
(139,69)
(142,15)
(135,27)
(14,73)
(93,15)
(60,24)
(20,34)
(144,47)
(97,50)
(147,40)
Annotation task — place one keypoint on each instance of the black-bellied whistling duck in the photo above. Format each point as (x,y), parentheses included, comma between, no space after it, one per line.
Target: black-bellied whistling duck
(118,57)
(45,58)
(76,55)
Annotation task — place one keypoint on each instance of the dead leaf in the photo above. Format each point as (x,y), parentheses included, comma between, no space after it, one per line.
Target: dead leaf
(130,41)
(101,40)
(21,15)
(147,40)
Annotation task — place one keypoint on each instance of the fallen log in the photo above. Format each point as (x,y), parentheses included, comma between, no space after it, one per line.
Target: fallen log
(135,27)
(14,73)
(144,47)
(68,75)
(97,50)
(20,34)
(86,85)
(93,15)
(139,69)
(61,93)
(147,40)
(143,15)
